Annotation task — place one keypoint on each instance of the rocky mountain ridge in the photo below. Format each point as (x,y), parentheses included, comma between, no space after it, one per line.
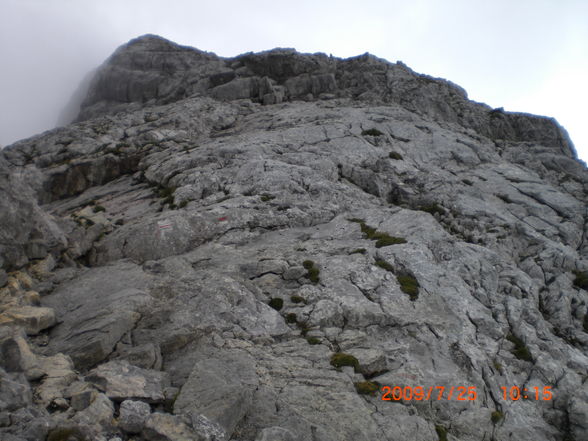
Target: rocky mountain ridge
(250,248)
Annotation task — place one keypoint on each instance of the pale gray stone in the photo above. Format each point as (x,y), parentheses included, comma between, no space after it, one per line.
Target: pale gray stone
(133,415)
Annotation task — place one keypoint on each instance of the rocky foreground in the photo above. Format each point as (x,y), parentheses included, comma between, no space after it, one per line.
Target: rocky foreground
(254,248)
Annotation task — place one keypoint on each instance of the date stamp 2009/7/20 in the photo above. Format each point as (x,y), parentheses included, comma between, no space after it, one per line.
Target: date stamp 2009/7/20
(459,393)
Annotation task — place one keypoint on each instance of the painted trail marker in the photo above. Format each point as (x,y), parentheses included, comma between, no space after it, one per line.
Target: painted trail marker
(164,226)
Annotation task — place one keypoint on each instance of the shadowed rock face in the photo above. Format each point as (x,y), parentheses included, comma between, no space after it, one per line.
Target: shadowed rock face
(212,232)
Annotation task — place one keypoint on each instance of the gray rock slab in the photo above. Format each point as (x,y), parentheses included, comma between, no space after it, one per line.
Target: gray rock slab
(96,311)
(121,380)
(220,387)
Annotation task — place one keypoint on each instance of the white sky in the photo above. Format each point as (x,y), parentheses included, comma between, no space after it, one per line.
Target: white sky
(523,55)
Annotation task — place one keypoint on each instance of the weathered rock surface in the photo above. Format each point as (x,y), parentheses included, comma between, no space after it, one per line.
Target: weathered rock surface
(220,387)
(97,309)
(120,380)
(213,233)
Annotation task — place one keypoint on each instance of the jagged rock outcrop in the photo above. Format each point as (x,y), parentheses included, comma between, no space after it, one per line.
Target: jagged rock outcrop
(252,248)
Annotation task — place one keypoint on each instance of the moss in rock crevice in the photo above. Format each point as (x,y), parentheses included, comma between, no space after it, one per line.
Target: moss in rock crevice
(312,271)
(341,359)
(409,285)
(496,416)
(382,239)
(276,303)
(441,432)
(371,132)
(367,387)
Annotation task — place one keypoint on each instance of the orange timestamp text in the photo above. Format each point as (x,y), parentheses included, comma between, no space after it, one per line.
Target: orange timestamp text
(420,393)
(515,393)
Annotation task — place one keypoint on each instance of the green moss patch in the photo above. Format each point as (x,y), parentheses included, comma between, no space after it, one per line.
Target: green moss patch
(371,132)
(385,265)
(297,299)
(266,197)
(382,239)
(313,341)
(276,303)
(98,208)
(312,271)
(496,416)
(291,318)
(581,279)
(341,359)
(396,156)
(367,387)
(409,285)
(441,432)
(432,208)
(386,240)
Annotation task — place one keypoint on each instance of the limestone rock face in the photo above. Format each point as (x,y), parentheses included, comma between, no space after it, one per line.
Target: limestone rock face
(253,248)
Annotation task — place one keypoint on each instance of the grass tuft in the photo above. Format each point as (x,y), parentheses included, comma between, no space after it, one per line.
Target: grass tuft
(520,350)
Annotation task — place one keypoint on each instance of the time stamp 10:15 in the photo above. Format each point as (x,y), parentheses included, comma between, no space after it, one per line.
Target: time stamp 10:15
(461,393)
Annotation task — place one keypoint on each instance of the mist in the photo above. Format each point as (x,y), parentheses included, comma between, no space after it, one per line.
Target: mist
(529,56)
